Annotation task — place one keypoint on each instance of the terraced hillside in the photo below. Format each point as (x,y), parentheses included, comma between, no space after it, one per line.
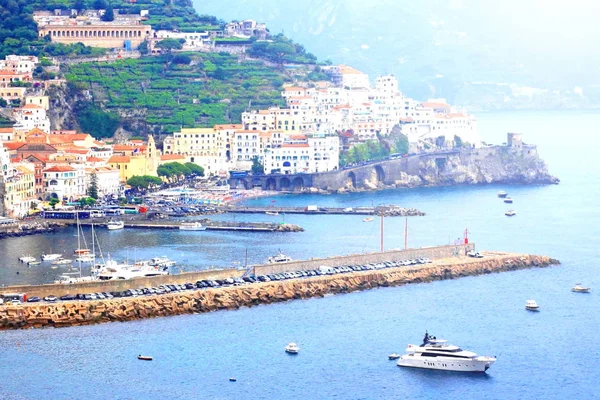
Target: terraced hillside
(214,88)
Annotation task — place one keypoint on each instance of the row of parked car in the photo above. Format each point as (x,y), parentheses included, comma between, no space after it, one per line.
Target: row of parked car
(214,283)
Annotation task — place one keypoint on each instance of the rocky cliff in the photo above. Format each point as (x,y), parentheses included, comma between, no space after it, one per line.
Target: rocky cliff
(62,314)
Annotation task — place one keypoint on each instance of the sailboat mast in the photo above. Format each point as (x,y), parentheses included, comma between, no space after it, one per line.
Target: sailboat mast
(78,242)
(406,234)
(381,239)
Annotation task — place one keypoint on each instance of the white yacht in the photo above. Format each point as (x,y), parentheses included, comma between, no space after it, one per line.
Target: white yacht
(161,261)
(292,348)
(51,256)
(67,279)
(502,194)
(63,261)
(531,305)
(580,289)
(114,225)
(27,259)
(86,258)
(192,226)
(438,354)
(113,271)
(279,258)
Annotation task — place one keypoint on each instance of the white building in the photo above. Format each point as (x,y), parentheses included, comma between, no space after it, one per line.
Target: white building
(303,154)
(107,180)
(192,40)
(19,64)
(65,182)
(31,116)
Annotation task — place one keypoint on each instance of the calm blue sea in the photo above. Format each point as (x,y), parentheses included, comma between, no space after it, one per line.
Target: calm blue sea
(345,339)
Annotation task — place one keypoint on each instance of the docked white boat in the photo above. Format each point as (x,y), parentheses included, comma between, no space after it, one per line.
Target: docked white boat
(192,226)
(279,258)
(51,256)
(62,261)
(580,289)
(531,305)
(438,354)
(161,261)
(86,258)
(292,348)
(27,259)
(112,270)
(271,213)
(114,225)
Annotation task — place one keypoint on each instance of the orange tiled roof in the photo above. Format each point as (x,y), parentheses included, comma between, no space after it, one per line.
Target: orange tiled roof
(295,145)
(95,159)
(60,168)
(119,159)
(231,126)
(13,145)
(165,157)
(31,107)
(432,104)
(6,130)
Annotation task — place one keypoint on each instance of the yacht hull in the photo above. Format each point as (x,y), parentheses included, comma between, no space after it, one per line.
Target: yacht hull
(445,363)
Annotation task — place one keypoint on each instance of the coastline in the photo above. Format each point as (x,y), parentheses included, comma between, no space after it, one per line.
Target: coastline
(74,313)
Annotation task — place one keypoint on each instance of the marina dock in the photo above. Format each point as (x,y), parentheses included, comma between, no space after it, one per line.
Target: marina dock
(210,225)
(386,211)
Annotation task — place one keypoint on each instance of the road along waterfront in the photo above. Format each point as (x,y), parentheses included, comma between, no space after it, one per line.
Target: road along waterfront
(124,309)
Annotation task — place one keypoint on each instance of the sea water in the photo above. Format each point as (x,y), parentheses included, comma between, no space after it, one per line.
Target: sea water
(345,339)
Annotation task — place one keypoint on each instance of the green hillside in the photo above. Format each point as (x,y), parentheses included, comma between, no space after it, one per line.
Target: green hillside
(212,89)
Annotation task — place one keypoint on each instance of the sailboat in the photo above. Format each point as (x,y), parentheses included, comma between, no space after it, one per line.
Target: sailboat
(66,279)
(83,254)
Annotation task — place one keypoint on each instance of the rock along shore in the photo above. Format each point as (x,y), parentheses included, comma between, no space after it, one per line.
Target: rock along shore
(62,314)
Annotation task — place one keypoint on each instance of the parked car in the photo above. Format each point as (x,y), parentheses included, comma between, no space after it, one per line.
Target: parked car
(33,299)
(50,298)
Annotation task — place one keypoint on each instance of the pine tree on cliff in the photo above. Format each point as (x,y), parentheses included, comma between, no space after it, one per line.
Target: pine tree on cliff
(109,14)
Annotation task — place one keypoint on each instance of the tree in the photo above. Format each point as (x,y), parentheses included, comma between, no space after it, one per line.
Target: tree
(79,5)
(143,47)
(109,14)
(87,201)
(181,59)
(53,202)
(458,141)
(257,167)
(195,169)
(439,141)
(3,103)
(401,145)
(169,45)
(143,182)
(93,187)
(280,50)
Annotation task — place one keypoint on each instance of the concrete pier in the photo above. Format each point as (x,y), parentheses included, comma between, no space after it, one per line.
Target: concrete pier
(72,313)
(386,211)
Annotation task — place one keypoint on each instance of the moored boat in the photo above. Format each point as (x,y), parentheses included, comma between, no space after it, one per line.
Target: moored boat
(292,348)
(508,200)
(26,259)
(510,213)
(192,226)
(580,289)
(502,194)
(51,256)
(368,219)
(33,263)
(438,354)
(114,225)
(144,358)
(271,213)
(279,258)
(532,305)
(62,261)
(393,356)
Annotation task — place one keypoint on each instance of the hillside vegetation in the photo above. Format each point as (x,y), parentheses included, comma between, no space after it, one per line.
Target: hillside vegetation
(212,89)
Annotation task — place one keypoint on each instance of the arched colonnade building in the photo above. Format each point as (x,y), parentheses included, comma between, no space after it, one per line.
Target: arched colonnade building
(108,36)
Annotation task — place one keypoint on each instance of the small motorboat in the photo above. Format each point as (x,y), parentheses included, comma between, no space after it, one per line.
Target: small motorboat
(114,225)
(580,289)
(30,263)
(144,358)
(508,200)
(62,261)
(393,356)
(510,213)
(502,194)
(27,259)
(192,226)
(292,348)
(271,213)
(368,219)
(531,305)
(51,256)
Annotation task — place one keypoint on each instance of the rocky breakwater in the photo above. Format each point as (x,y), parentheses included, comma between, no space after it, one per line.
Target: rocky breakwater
(28,228)
(132,308)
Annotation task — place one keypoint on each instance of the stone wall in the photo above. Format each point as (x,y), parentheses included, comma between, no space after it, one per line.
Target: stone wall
(38,315)
(433,253)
